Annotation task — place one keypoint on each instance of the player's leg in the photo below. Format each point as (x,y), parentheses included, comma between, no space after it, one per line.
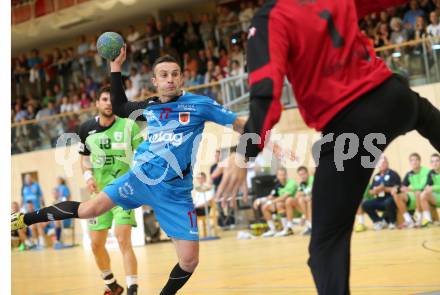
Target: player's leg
(390,210)
(337,195)
(98,230)
(371,207)
(124,221)
(428,199)
(64,210)
(268,209)
(360,220)
(428,121)
(188,255)
(308,215)
(289,206)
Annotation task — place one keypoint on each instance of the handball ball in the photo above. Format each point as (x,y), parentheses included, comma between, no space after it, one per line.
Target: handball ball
(109,45)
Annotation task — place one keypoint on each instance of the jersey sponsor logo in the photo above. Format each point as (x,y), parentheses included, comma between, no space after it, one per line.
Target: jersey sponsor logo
(119,145)
(118,135)
(387,177)
(175,139)
(193,232)
(92,132)
(252,32)
(126,190)
(184,118)
(165,113)
(187,107)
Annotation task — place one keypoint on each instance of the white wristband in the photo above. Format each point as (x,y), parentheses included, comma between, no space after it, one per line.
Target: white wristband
(87,175)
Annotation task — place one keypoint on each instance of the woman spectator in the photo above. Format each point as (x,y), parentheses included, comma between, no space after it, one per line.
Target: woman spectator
(85,101)
(66,106)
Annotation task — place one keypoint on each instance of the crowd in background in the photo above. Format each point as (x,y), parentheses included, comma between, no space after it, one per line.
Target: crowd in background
(209,46)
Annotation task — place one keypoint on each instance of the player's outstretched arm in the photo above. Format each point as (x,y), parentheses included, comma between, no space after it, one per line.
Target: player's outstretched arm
(120,104)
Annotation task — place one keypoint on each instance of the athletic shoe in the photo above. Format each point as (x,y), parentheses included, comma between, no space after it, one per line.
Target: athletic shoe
(426,222)
(307,231)
(378,225)
(407,225)
(269,234)
(360,227)
(391,226)
(284,233)
(118,291)
(22,247)
(17,221)
(133,290)
(58,246)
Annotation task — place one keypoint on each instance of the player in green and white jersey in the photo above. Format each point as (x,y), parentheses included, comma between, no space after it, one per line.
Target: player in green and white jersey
(107,146)
(431,193)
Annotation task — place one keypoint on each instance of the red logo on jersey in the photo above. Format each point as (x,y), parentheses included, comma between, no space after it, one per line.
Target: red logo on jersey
(165,112)
(184,118)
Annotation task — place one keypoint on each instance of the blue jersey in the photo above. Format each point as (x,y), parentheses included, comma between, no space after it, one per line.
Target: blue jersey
(32,193)
(174,133)
(62,192)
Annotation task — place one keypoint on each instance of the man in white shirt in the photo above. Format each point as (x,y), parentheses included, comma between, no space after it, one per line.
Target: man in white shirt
(433,29)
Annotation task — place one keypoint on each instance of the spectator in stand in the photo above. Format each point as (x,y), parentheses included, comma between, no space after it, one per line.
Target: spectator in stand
(83,55)
(209,75)
(49,69)
(213,49)
(20,113)
(206,29)
(132,43)
(35,70)
(427,6)
(382,36)
(65,106)
(246,14)
(31,112)
(169,49)
(190,31)
(189,62)
(57,93)
(433,29)
(135,78)
(236,69)
(210,56)
(223,61)
(130,91)
(48,97)
(225,21)
(48,111)
(398,35)
(218,73)
(146,75)
(85,101)
(76,104)
(412,14)
(90,86)
(202,62)
(383,18)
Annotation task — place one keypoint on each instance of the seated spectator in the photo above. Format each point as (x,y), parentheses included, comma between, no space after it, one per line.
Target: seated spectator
(202,194)
(85,101)
(246,14)
(66,105)
(360,220)
(301,201)
(130,91)
(398,35)
(409,195)
(431,193)
(146,75)
(90,86)
(382,37)
(57,93)
(20,113)
(275,202)
(433,29)
(48,97)
(411,15)
(76,104)
(135,78)
(382,188)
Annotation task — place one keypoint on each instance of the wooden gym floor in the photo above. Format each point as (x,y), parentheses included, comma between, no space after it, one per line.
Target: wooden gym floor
(386,262)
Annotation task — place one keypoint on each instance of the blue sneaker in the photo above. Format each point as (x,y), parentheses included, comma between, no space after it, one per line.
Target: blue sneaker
(58,246)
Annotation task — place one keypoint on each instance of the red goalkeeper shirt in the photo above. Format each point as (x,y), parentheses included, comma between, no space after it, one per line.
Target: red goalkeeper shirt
(317,44)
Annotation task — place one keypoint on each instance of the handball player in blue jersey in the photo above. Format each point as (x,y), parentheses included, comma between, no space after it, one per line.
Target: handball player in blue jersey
(161,176)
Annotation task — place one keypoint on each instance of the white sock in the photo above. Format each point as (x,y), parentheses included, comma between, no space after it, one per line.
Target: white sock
(289,224)
(271,225)
(427,215)
(105,273)
(407,217)
(360,218)
(419,217)
(284,221)
(41,241)
(308,224)
(131,280)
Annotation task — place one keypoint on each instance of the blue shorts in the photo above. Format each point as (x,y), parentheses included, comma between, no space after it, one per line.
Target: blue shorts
(171,201)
